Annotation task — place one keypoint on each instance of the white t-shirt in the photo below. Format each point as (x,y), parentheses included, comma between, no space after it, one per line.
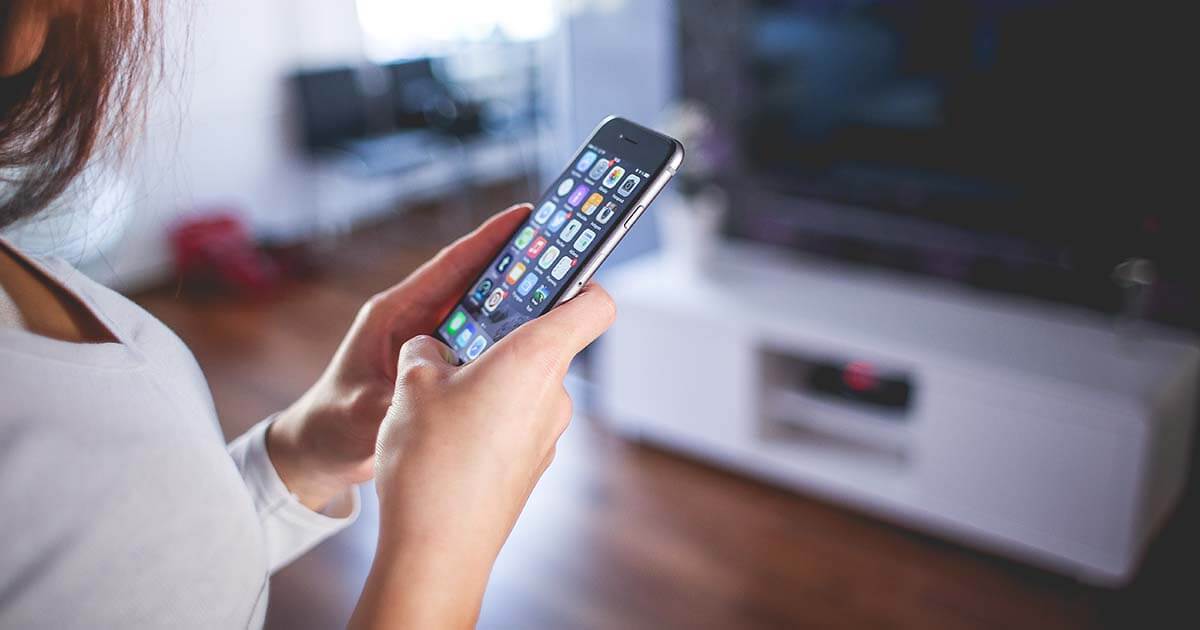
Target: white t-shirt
(120,504)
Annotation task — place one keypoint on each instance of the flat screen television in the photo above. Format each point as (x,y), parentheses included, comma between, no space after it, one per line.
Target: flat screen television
(1029,146)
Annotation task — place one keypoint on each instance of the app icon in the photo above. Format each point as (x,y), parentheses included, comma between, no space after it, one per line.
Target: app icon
(578,194)
(629,185)
(524,237)
(565,186)
(592,203)
(544,212)
(476,348)
(549,257)
(564,265)
(504,262)
(527,284)
(464,337)
(536,248)
(540,295)
(584,240)
(482,289)
(495,299)
(599,168)
(515,273)
(570,231)
(607,212)
(614,176)
(585,161)
(456,322)
(559,219)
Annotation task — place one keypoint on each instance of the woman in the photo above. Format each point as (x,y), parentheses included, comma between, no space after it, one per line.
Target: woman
(122,506)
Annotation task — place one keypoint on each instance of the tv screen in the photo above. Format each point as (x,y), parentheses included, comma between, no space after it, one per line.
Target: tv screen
(1042,134)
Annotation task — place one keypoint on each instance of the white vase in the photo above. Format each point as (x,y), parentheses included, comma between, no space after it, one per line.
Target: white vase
(689,227)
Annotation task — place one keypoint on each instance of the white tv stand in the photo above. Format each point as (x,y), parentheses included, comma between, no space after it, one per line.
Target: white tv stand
(1033,431)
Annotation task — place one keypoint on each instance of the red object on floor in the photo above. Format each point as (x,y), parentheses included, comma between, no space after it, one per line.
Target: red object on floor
(216,251)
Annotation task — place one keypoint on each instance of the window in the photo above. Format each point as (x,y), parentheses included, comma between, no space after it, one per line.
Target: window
(398,29)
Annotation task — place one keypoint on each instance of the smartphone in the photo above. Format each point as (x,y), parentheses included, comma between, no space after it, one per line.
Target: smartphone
(574,226)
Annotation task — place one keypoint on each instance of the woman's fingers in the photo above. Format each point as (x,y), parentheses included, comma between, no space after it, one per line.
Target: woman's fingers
(448,275)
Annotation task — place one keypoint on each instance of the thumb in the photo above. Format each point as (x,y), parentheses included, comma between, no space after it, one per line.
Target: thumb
(564,331)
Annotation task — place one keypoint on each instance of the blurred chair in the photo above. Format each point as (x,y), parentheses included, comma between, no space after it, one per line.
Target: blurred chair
(381,137)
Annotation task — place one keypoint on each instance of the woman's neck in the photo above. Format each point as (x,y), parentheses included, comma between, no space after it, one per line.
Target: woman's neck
(42,306)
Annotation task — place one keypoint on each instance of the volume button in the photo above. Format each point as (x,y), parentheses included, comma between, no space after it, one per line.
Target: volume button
(633,216)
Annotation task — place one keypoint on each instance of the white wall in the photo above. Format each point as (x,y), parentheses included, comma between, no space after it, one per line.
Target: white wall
(218,134)
(219,137)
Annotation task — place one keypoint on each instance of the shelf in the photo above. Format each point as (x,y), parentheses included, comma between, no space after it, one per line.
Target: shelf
(883,431)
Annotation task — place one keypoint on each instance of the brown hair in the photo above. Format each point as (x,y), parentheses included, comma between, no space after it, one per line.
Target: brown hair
(83,94)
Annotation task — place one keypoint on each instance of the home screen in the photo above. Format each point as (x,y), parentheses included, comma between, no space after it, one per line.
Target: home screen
(541,259)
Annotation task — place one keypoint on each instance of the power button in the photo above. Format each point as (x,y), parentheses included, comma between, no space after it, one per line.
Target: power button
(633,216)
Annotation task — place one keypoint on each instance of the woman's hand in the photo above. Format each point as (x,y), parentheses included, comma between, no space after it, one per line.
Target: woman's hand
(458,454)
(325,441)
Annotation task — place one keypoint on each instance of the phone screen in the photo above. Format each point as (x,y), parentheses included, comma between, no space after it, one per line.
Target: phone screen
(568,224)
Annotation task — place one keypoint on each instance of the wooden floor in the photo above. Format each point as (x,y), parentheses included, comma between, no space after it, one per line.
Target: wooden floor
(624,536)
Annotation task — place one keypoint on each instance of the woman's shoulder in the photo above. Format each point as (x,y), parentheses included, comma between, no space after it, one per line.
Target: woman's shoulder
(146,361)
(139,333)
(121,315)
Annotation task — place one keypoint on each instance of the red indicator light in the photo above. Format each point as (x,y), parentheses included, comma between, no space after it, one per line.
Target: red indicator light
(859,376)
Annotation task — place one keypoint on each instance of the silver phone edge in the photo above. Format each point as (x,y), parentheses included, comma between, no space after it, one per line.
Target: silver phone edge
(610,243)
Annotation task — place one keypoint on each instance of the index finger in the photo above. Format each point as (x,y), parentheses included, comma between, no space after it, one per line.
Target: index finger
(562,332)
